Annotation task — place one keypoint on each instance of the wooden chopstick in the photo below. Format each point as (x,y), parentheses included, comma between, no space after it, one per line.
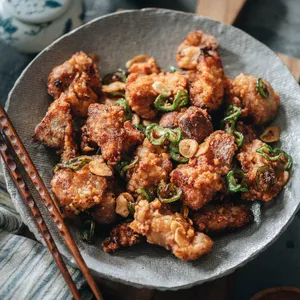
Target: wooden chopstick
(22,154)
(29,201)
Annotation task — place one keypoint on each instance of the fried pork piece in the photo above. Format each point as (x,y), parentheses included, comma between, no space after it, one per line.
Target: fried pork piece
(121,236)
(80,95)
(202,177)
(147,66)
(194,122)
(273,175)
(78,190)
(104,213)
(57,122)
(154,165)
(141,95)
(244,93)
(207,89)
(106,127)
(221,217)
(133,137)
(189,50)
(169,119)
(217,152)
(70,149)
(171,231)
(199,185)
(79,78)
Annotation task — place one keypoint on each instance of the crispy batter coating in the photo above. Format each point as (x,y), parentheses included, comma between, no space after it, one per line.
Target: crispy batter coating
(169,119)
(194,122)
(217,152)
(133,137)
(141,96)
(243,93)
(171,231)
(154,165)
(104,213)
(80,95)
(201,178)
(189,50)
(79,190)
(207,89)
(250,161)
(51,130)
(70,149)
(212,219)
(105,127)
(121,236)
(79,78)
(198,184)
(147,67)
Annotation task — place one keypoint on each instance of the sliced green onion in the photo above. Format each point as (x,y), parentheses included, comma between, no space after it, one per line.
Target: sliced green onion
(131,207)
(175,155)
(172,69)
(144,194)
(162,102)
(140,127)
(168,193)
(232,179)
(276,154)
(265,178)
(119,166)
(289,162)
(262,88)
(231,116)
(269,153)
(239,138)
(74,164)
(129,166)
(156,134)
(174,135)
(119,75)
(89,231)
(116,94)
(232,113)
(122,102)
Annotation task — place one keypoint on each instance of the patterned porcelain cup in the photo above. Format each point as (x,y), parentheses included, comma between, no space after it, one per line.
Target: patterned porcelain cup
(31,25)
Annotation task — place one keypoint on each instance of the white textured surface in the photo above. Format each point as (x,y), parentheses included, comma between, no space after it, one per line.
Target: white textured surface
(116,38)
(32,38)
(36,11)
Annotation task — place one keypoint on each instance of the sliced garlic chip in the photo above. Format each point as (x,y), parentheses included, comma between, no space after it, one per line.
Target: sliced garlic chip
(100,169)
(137,59)
(271,134)
(160,88)
(188,147)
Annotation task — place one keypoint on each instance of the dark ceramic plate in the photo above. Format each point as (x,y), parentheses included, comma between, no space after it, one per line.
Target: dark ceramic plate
(116,38)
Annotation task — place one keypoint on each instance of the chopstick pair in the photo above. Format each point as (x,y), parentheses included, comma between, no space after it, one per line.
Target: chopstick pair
(10,136)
